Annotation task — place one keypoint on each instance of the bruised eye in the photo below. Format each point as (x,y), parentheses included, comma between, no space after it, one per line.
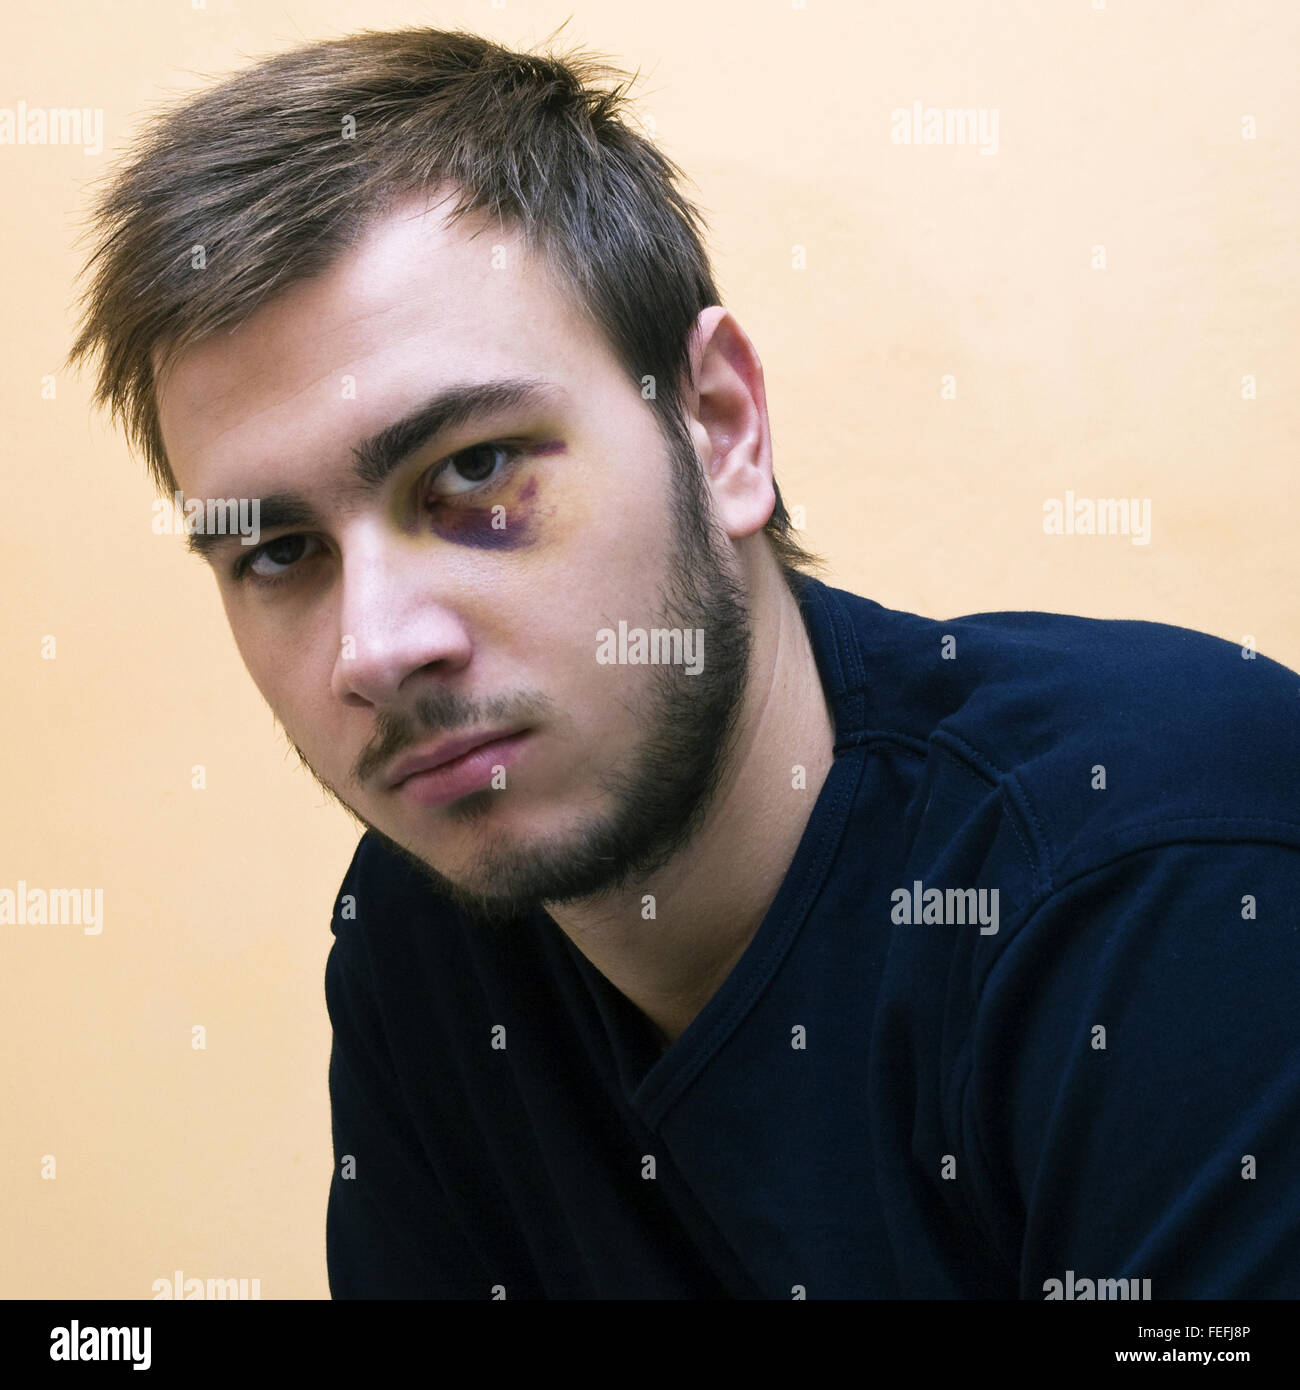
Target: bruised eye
(471,469)
(476,469)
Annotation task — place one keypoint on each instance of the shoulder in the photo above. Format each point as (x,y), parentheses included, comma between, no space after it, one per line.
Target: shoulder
(388,919)
(383,876)
(1105,734)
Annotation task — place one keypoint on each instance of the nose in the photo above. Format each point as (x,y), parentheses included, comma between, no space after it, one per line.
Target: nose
(392,622)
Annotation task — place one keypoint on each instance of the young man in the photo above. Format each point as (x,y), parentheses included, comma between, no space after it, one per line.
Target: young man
(715,932)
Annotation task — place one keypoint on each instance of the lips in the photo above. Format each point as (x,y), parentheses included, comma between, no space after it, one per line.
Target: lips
(445,751)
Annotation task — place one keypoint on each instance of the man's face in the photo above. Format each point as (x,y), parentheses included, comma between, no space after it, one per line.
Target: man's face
(411,588)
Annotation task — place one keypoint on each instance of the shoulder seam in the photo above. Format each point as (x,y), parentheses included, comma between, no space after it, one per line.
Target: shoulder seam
(1025,821)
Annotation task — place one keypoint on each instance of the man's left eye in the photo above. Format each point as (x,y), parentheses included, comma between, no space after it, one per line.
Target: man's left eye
(472,468)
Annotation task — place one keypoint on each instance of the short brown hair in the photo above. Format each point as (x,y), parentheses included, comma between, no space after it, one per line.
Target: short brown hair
(275,170)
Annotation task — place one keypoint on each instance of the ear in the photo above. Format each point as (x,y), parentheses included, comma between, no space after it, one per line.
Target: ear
(727,417)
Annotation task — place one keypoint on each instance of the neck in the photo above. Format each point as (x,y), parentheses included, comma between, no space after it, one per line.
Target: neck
(711,898)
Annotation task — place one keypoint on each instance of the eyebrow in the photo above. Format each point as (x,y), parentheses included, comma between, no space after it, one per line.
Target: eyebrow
(377,458)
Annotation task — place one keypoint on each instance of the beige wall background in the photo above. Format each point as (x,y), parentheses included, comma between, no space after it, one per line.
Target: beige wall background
(1124,126)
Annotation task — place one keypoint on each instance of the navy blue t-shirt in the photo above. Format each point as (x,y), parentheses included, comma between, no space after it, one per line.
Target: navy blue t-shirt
(1025,1006)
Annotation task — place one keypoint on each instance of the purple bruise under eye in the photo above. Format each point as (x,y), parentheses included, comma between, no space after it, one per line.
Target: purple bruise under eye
(473,526)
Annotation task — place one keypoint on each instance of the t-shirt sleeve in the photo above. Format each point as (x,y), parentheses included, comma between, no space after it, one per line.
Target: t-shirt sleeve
(1134,1087)
(390,1230)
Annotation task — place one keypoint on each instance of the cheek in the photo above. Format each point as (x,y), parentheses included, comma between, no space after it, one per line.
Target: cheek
(279,670)
(251,649)
(269,677)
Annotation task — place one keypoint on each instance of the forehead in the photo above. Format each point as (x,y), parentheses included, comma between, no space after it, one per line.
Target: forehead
(414,305)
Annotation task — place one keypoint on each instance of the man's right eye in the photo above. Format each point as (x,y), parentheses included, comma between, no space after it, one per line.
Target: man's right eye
(270,563)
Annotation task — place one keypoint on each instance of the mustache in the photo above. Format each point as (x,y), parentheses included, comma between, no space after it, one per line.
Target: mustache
(441,711)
